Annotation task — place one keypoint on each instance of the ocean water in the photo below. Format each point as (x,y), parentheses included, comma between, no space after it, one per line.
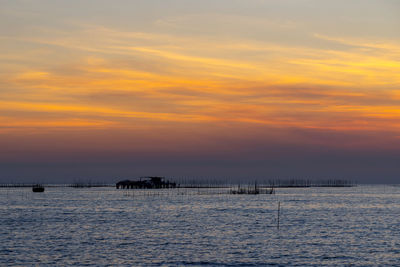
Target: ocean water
(357,226)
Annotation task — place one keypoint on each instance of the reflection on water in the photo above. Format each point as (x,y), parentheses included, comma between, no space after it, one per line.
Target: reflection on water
(104,226)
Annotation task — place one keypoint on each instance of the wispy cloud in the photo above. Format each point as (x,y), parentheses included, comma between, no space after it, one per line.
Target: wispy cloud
(112,74)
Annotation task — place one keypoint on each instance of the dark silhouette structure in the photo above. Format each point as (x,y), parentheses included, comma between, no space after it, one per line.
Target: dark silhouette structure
(151,182)
(38,188)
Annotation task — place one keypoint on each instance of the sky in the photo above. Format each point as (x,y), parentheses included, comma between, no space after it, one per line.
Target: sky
(233,89)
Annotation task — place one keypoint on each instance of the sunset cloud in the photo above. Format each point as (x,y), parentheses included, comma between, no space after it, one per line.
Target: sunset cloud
(257,64)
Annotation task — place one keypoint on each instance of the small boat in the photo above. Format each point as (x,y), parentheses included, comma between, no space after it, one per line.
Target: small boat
(38,188)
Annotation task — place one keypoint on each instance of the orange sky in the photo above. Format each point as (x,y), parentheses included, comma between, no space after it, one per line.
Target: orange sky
(197,75)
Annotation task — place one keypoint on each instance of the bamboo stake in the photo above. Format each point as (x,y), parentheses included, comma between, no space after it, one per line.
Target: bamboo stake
(279,209)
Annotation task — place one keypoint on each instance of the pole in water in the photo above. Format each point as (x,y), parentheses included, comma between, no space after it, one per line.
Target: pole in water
(279,209)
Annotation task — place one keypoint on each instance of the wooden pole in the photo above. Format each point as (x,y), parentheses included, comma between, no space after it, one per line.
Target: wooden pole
(279,209)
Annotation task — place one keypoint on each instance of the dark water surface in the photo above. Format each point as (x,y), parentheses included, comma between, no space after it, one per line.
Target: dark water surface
(357,226)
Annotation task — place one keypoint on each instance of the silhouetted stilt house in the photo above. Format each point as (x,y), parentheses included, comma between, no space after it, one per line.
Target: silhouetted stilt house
(150,182)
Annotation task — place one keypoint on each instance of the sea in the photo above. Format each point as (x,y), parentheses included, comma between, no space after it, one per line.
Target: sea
(63,226)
